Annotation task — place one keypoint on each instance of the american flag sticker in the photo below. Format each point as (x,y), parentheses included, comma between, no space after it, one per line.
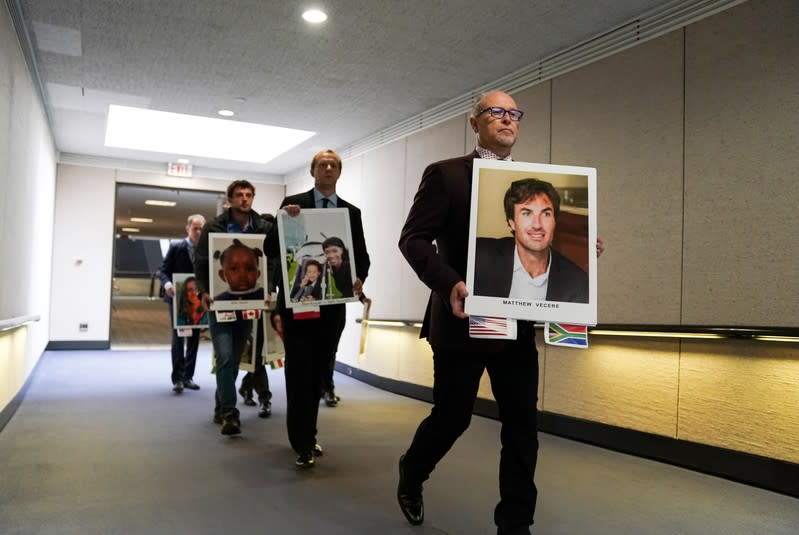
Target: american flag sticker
(490,327)
(566,334)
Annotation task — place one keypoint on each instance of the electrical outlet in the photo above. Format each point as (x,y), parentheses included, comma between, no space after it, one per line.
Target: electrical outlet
(83,327)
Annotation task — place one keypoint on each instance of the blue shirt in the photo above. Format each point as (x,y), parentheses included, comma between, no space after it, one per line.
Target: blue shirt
(234,228)
(317,198)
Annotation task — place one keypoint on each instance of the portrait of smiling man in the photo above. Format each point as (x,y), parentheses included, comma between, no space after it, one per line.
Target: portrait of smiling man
(525,265)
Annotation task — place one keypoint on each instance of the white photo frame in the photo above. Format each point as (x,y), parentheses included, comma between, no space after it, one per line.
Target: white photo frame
(492,256)
(244,291)
(187,308)
(309,276)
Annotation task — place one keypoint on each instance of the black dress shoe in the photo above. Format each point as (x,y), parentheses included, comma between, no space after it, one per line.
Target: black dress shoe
(331,399)
(231,425)
(177,387)
(305,460)
(191,385)
(247,395)
(409,496)
(265,411)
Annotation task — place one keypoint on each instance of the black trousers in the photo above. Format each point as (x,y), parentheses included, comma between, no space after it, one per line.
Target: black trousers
(514,382)
(258,380)
(183,364)
(309,344)
(328,385)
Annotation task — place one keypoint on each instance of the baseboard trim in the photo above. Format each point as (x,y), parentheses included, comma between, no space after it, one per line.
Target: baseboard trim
(763,472)
(60,345)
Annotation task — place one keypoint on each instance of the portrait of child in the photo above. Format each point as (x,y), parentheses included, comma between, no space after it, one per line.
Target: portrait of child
(238,270)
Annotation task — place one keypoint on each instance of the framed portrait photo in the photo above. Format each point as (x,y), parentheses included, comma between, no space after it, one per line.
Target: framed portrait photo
(237,271)
(186,304)
(532,242)
(317,259)
(273,337)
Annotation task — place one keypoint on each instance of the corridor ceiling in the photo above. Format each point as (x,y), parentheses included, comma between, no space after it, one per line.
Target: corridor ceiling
(373,63)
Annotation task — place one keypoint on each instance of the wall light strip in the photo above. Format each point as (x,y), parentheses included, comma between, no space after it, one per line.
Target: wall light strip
(391,323)
(690,332)
(654,334)
(791,339)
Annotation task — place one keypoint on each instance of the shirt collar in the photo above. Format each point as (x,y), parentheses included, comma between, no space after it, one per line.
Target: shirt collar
(540,280)
(317,198)
(486,154)
(235,228)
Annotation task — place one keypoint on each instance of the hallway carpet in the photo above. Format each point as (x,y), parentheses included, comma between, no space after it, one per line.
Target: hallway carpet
(101,445)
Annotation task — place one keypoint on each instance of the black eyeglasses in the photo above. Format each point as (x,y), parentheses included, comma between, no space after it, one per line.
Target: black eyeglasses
(499,113)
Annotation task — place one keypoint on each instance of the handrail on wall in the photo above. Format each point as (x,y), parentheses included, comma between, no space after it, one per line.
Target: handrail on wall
(768,334)
(19,321)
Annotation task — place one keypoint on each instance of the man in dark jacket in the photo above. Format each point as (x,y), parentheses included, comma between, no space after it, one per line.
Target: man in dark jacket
(180,259)
(229,338)
(311,343)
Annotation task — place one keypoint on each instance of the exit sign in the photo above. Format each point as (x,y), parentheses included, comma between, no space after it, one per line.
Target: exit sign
(179,169)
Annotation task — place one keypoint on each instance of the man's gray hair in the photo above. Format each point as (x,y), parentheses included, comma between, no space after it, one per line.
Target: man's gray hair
(192,217)
(478,105)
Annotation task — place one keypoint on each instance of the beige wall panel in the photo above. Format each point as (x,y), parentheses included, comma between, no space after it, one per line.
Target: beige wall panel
(532,145)
(742,155)
(631,384)
(741,395)
(415,359)
(382,352)
(382,211)
(439,142)
(623,115)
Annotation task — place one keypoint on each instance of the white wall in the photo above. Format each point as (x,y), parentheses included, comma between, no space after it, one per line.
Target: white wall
(84,243)
(27,191)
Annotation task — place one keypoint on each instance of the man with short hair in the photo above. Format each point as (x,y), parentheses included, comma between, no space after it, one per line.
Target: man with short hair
(180,259)
(434,241)
(229,338)
(525,265)
(311,343)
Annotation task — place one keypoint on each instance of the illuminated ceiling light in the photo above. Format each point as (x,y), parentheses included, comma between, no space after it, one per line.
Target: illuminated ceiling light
(314,16)
(183,160)
(175,133)
(226,113)
(153,202)
(141,220)
(129,229)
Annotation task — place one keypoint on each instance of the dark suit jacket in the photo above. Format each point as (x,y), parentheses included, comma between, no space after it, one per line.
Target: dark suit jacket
(177,260)
(359,252)
(440,213)
(493,272)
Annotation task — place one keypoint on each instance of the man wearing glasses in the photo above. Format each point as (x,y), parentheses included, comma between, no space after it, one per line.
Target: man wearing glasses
(440,213)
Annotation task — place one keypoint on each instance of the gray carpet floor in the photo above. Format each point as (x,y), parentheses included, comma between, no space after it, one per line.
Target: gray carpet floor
(101,445)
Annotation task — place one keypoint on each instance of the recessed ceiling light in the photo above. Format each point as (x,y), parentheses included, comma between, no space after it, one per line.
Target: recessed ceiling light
(152,202)
(226,113)
(183,160)
(129,229)
(314,16)
(141,220)
(176,133)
